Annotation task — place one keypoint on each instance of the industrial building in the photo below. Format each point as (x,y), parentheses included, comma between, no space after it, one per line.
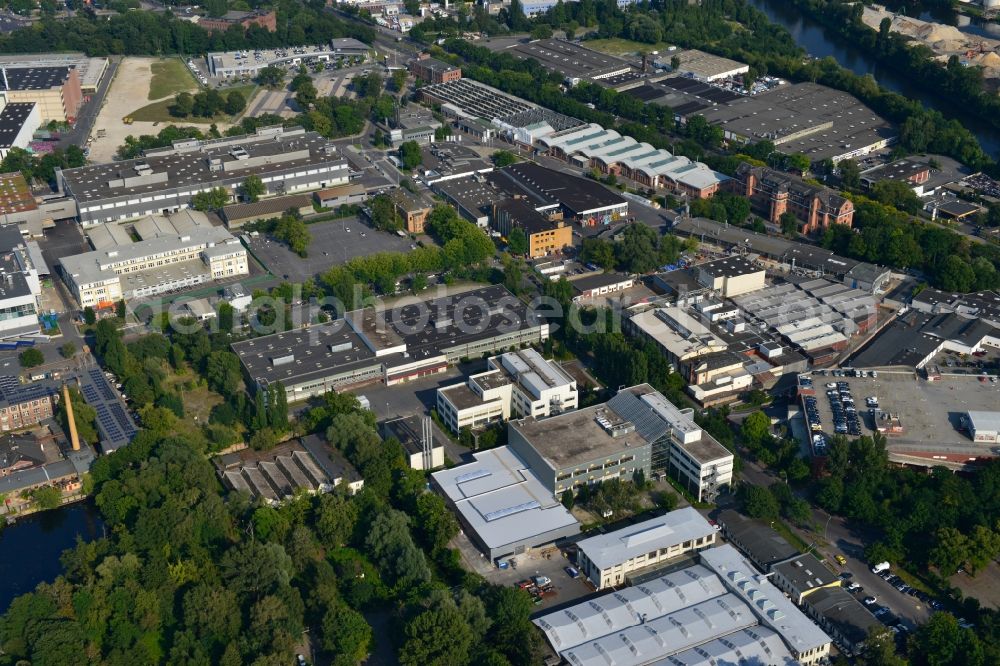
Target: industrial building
(18,206)
(392,346)
(521,383)
(637,430)
(703,66)
(416,436)
(547,190)
(756,540)
(984,426)
(545,234)
(589,287)
(441,162)
(412,123)
(411,209)
(241,63)
(785,255)
(90,70)
(502,506)
(21,291)
(261,18)
(773,193)
(717,611)
(913,173)
(842,616)
(173,252)
(431,70)
(575,62)
(236,215)
(472,197)
(817,317)
(18,122)
(25,405)
(609,559)
(592,146)
(802,576)
(56,90)
(115,425)
(981,304)
(731,276)
(277,475)
(165,179)
(820,122)
(684,96)
(470,98)
(915,337)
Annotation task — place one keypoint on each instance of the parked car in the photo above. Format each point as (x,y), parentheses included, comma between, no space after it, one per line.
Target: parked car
(841,560)
(868,601)
(571,572)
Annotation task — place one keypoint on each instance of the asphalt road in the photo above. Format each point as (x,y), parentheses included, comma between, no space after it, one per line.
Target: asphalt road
(88,113)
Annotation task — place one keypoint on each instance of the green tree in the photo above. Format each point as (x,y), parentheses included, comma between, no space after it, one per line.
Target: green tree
(270,76)
(503,158)
(942,642)
(227,315)
(409,155)
(235,102)
(253,188)
(850,174)
(517,242)
(567,498)
(437,637)
(120,309)
(880,649)
(222,371)
(951,550)
(798,162)
(213,199)
(31,358)
(89,316)
(183,105)
(789,224)
(345,635)
(46,497)
(68,350)
(755,428)
(760,503)
(541,31)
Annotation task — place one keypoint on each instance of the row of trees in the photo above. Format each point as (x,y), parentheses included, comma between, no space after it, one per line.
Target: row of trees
(640,250)
(208,103)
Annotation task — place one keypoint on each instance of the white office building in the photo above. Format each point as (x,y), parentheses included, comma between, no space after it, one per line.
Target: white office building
(608,559)
(521,383)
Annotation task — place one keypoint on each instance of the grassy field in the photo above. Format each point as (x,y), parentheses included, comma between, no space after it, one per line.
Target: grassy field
(198,400)
(160,111)
(619,47)
(170,77)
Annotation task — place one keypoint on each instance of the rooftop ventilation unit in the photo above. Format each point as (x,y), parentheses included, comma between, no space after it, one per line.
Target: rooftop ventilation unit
(283,360)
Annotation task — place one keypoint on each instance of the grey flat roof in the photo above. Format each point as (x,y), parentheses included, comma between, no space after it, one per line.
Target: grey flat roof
(806,572)
(764,544)
(91,70)
(189,166)
(848,617)
(985,421)
(588,282)
(502,500)
(576,194)
(462,396)
(670,529)
(572,438)
(569,59)
(730,267)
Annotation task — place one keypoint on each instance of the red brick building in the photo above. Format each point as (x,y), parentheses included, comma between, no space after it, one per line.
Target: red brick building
(265,19)
(432,70)
(773,193)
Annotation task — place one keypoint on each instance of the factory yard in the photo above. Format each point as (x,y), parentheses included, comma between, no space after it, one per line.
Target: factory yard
(928,411)
(333,243)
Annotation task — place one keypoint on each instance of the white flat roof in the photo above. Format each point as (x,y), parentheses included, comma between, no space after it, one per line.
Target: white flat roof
(671,529)
(985,421)
(772,608)
(502,500)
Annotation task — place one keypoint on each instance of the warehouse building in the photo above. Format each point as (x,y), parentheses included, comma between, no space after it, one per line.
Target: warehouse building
(521,383)
(611,153)
(981,304)
(90,70)
(392,346)
(473,198)
(441,162)
(609,559)
(913,173)
(984,426)
(547,190)
(18,122)
(56,90)
(502,506)
(236,215)
(637,430)
(575,62)
(589,287)
(703,66)
(414,123)
(731,276)
(756,540)
(914,338)
(717,611)
(470,98)
(820,122)
(174,252)
(545,234)
(785,255)
(277,475)
(164,180)
(773,193)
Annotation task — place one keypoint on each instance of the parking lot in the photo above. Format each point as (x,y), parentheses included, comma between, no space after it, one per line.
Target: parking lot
(333,243)
(928,412)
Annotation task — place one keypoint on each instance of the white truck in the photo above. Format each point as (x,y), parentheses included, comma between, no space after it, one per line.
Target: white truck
(880,567)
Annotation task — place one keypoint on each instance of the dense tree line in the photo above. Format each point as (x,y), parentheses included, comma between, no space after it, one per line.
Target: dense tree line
(151,33)
(639,250)
(42,167)
(889,237)
(208,103)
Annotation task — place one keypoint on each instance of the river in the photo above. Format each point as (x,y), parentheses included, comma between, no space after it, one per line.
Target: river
(820,42)
(30,549)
